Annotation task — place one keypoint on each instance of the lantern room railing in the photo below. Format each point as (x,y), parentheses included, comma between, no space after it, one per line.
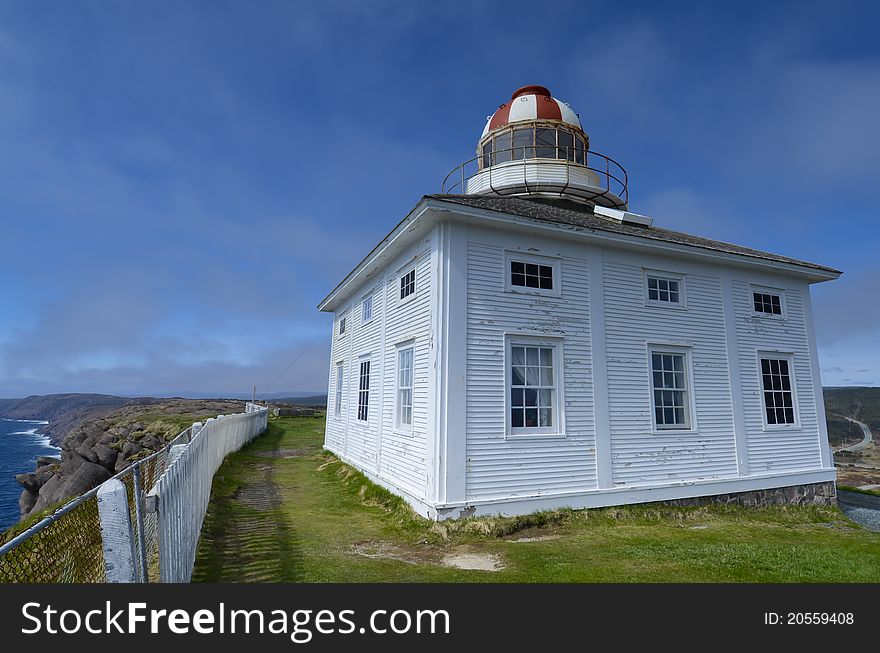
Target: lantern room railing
(611,177)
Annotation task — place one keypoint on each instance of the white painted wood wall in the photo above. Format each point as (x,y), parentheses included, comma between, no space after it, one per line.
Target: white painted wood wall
(458,453)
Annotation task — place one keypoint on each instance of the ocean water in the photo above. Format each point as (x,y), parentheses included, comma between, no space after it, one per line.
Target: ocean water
(20,444)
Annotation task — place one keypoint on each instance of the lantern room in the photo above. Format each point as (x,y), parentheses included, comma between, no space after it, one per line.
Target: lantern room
(534,144)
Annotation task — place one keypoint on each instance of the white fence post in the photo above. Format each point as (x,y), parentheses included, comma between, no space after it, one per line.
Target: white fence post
(116,534)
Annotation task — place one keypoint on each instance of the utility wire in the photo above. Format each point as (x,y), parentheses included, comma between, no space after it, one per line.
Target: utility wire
(324,369)
(293,362)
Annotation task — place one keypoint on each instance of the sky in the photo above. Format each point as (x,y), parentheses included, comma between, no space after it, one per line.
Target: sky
(182,182)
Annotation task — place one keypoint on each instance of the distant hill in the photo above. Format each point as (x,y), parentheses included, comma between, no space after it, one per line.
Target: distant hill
(314,400)
(862,404)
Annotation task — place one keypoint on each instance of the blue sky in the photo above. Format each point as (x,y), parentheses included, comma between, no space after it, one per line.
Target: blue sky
(181,182)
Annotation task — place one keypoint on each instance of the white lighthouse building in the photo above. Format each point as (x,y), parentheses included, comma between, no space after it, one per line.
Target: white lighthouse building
(522,341)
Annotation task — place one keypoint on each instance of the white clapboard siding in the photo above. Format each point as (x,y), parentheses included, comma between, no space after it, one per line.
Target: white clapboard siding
(404,453)
(334,436)
(377,445)
(639,455)
(776,450)
(502,466)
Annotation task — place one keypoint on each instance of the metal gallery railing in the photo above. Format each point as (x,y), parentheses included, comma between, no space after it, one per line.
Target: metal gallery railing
(612,178)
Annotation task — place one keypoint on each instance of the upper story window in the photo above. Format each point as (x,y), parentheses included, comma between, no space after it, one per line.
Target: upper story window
(364,391)
(367,309)
(766,302)
(533,142)
(408,284)
(533,402)
(778,393)
(342,326)
(669,372)
(531,275)
(663,288)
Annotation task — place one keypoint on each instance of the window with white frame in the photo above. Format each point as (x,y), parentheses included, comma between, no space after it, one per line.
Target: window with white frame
(337,409)
(778,392)
(367,309)
(664,289)
(670,389)
(341,326)
(405,387)
(364,391)
(408,284)
(767,303)
(533,387)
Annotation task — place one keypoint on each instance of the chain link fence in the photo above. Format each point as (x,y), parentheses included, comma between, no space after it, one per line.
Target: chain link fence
(66,546)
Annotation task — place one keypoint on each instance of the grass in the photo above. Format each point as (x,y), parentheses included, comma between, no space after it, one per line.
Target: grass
(849,488)
(282,509)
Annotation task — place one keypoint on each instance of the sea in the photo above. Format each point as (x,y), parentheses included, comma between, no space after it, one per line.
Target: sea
(20,444)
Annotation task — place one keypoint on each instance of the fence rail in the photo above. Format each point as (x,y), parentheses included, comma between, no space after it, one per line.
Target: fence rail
(67,545)
(181,494)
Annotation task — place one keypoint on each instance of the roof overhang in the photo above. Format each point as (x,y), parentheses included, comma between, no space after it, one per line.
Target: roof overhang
(429,211)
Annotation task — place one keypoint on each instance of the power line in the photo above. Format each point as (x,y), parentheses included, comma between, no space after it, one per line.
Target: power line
(293,362)
(323,368)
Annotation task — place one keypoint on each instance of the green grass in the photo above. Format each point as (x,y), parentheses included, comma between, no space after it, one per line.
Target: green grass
(284,510)
(849,488)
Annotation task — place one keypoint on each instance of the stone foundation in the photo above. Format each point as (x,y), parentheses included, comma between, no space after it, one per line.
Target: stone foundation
(813,494)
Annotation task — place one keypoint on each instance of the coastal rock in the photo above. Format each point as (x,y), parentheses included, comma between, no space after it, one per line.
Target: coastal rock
(98,439)
(26,502)
(85,478)
(106,456)
(87,452)
(130,450)
(28,482)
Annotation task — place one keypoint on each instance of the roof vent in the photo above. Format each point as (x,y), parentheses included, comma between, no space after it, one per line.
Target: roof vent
(623,216)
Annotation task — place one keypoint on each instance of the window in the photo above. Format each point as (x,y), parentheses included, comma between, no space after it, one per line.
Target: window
(364,391)
(545,139)
(338,398)
(341,326)
(502,147)
(531,275)
(664,290)
(523,140)
(408,284)
(778,394)
(566,145)
(533,388)
(532,142)
(367,310)
(405,387)
(670,385)
(768,303)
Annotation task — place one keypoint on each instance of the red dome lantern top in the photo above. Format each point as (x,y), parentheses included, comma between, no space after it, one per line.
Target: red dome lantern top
(532,103)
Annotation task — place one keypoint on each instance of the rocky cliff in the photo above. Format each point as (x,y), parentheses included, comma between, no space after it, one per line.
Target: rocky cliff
(102,439)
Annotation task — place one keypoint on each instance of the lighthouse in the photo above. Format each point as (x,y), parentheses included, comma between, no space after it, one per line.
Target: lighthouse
(534,144)
(523,341)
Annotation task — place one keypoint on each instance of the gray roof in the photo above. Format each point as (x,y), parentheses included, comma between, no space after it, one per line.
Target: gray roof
(567,212)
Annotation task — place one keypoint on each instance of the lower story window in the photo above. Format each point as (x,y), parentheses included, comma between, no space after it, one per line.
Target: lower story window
(778,395)
(670,386)
(364,391)
(533,390)
(405,388)
(338,398)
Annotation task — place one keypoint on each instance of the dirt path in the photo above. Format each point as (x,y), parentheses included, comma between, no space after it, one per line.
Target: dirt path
(246,532)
